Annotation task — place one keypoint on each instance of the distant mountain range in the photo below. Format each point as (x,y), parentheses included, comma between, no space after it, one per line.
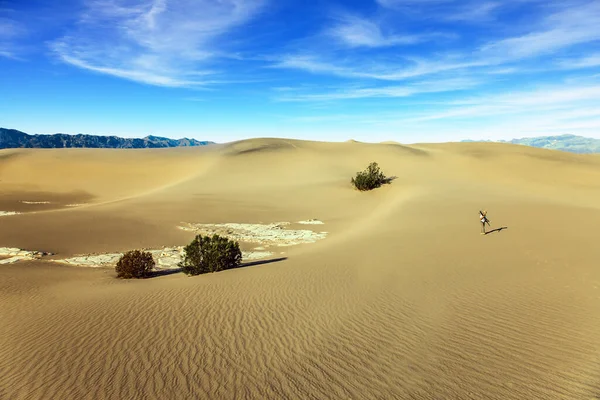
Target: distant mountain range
(11,138)
(570,143)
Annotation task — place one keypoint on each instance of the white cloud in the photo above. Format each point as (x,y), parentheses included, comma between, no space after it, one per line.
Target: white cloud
(557,102)
(478,12)
(557,94)
(409,3)
(160,42)
(8,28)
(10,32)
(432,86)
(562,29)
(322,118)
(381,71)
(588,61)
(140,75)
(466,11)
(535,111)
(566,26)
(6,53)
(355,31)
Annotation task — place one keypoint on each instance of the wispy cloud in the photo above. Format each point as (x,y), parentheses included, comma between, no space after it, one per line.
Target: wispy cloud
(588,61)
(431,86)
(571,102)
(159,42)
(10,31)
(465,11)
(413,67)
(355,31)
(195,99)
(478,12)
(8,28)
(540,96)
(366,63)
(144,75)
(410,3)
(322,118)
(561,29)
(540,110)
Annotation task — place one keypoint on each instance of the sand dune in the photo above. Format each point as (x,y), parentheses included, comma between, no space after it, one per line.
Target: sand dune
(401,298)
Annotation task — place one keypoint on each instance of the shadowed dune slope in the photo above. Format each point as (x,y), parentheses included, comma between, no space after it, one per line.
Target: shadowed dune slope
(404,298)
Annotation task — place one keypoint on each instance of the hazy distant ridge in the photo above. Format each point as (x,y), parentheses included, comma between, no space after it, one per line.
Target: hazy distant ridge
(570,143)
(11,138)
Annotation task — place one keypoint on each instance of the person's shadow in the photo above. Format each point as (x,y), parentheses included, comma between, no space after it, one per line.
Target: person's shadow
(497,229)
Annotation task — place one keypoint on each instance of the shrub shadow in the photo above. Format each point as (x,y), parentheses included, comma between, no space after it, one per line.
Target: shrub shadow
(260,262)
(164,272)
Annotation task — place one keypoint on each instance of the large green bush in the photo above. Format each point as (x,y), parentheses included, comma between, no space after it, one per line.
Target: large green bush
(134,264)
(371,178)
(210,254)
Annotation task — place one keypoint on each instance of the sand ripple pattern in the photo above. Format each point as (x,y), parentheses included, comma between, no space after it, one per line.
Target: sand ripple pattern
(231,336)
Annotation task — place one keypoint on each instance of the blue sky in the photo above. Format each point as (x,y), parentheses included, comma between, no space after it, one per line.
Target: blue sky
(372,70)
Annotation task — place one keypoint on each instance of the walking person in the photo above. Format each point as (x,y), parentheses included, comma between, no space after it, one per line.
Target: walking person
(483,219)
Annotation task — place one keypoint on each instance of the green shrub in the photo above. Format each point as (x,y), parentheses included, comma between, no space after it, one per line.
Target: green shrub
(371,178)
(134,264)
(210,254)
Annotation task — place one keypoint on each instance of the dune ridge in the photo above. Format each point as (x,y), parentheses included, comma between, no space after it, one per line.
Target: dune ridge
(402,298)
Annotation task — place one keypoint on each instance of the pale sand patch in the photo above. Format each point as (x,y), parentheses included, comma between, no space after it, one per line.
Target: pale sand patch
(6,213)
(256,255)
(75,205)
(311,222)
(35,202)
(92,260)
(14,255)
(165,259)
(273,234)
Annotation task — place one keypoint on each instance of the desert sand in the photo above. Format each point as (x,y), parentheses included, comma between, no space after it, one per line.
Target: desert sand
(397,297)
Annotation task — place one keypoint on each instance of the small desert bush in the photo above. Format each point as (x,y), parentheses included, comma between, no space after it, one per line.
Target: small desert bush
(134,264)
(210,254)
(371,178)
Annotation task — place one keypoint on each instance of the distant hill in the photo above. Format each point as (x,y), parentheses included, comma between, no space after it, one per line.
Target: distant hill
(570,143)
(11,138)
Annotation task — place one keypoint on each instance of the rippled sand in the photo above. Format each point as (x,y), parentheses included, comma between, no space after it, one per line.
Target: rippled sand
(403,298)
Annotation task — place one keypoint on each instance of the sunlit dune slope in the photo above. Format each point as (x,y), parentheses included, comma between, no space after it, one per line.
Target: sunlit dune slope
(105,174)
